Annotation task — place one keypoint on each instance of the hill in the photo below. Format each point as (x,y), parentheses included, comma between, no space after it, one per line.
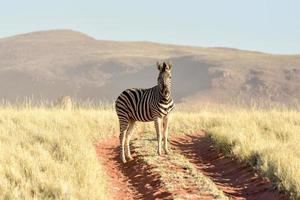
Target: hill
(51,63)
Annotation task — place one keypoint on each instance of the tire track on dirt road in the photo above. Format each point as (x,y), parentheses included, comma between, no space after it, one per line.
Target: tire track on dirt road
(133,180)
(235,179)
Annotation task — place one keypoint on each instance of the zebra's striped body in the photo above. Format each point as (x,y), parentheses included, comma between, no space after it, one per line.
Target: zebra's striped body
(152,104)
(143,104)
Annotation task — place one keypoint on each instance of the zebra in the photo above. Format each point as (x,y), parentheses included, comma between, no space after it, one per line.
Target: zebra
(151,104)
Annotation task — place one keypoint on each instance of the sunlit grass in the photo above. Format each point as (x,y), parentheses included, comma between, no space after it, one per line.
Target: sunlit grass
(268,139)
(48,153)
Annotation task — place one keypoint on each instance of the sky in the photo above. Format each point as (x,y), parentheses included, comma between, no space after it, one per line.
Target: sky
(271,26)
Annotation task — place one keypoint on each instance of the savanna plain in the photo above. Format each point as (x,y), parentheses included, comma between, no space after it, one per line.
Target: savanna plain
(49,153)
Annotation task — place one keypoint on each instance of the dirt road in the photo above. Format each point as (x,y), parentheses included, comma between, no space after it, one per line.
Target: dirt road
(138,180)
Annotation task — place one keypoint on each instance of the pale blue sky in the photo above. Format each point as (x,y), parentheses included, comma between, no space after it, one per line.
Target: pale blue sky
(264,25)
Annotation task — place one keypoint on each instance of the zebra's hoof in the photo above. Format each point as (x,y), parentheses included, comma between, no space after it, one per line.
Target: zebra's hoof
(123,160)
(130,158)
(167,152)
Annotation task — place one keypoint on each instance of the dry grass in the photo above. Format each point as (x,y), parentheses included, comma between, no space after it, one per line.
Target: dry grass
(267,139)
(48,153)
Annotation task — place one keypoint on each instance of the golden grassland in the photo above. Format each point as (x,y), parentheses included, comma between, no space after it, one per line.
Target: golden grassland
(48,153)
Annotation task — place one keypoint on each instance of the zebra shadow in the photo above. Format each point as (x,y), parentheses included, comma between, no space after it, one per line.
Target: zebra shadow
(145,182)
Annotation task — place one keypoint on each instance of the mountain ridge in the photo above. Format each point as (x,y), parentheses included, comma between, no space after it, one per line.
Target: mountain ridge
(65,62)
(71,32)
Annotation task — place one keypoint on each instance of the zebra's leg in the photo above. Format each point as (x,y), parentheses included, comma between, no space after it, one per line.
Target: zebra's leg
(157,123)
(128,137)
(123,128)
(165,133)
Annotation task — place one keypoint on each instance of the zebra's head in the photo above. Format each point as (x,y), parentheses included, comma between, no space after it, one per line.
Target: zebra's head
(164,79)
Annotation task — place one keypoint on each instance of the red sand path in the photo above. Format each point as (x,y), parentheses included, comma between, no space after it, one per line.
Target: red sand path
(237,180)
(136,180)
(133,180)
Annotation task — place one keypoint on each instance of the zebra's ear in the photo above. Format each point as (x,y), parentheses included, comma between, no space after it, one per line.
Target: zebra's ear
(159,66)
(170,65)
(167,66)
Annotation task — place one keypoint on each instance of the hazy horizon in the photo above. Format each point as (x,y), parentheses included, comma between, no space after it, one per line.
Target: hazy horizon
(156,42)
(265,26)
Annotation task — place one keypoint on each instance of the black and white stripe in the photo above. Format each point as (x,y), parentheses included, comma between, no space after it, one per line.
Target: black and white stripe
(152,104)
(142,104)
